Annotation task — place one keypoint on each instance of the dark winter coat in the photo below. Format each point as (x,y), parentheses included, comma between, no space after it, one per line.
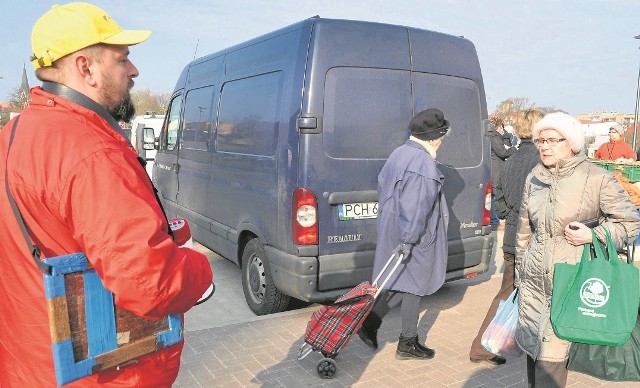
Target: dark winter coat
(508,190)
(412,209)
(501,149)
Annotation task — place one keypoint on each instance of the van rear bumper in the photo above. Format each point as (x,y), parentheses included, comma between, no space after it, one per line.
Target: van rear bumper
(297,276)
(314,279)
(469,257)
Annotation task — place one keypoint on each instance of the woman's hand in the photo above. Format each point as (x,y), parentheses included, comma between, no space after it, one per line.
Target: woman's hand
(577,233)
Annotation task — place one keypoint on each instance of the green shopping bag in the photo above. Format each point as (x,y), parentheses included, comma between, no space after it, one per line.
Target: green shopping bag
(595,301)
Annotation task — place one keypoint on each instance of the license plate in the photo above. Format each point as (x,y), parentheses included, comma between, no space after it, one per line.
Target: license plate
(357,211)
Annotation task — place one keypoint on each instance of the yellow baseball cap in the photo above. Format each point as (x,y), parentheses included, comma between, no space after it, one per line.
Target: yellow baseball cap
(65,29)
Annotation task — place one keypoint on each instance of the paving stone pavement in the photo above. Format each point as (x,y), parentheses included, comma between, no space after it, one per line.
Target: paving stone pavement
(262,352)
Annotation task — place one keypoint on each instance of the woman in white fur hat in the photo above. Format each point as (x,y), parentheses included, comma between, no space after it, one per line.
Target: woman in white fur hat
(559,192)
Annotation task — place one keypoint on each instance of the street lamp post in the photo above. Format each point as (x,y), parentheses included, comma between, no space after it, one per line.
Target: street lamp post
(635,119)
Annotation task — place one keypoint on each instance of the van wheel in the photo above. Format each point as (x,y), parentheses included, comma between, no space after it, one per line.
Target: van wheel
(261,294)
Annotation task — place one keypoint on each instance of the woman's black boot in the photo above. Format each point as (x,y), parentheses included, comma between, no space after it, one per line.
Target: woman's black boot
(410,347)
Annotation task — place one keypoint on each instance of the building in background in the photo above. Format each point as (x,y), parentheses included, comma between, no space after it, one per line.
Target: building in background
(23,92)
(596,128)
(624,119)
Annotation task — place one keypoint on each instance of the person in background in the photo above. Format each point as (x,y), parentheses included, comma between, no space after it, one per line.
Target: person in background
(558,193)
(501,149)
(616,149)
(412,221)
(510,131)
(508,197)
(78,184)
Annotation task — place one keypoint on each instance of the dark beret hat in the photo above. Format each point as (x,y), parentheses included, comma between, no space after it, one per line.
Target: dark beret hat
(429,124)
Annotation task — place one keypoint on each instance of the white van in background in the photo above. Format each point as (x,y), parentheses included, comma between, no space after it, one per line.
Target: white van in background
(139,123)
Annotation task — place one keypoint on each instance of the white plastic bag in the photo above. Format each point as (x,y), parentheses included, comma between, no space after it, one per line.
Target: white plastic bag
(499,337)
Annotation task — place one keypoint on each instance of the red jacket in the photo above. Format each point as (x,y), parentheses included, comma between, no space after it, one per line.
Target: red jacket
(80,188)
(614,150)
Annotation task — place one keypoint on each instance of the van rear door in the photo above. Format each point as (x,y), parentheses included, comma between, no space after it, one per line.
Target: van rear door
(446,74)
(360,81)
(365,118)
(460,159)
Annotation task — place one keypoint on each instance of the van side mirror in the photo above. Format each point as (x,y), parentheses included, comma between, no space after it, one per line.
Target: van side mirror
(148,139)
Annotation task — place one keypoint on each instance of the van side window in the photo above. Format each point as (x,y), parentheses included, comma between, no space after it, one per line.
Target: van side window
(198,107)
(171,125)
(350,121)
(250,111)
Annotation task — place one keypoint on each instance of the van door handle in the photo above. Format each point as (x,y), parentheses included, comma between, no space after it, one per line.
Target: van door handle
(176,167)
(309,124)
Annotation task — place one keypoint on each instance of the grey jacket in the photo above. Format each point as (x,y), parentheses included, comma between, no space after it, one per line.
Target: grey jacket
(412,209)
(579,190)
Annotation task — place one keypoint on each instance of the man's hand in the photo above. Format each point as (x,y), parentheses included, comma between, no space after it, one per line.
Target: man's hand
(403,249)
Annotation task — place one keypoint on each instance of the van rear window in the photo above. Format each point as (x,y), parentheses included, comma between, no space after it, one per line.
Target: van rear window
(365,112)
(459,99)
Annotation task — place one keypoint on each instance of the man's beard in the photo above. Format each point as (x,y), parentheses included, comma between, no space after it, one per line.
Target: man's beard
(125,110)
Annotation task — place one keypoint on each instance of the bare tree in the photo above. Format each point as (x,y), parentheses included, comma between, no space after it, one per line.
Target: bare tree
(163,101)
(508,109)
(18,99)
(146,100)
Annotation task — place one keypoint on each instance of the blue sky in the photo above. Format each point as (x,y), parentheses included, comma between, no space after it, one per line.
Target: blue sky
(576,55)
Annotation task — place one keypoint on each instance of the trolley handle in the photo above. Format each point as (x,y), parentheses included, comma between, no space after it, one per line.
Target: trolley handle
(384,282)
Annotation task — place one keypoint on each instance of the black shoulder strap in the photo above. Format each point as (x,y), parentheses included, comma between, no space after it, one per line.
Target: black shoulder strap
(155,192)
(82,100)
(34,251)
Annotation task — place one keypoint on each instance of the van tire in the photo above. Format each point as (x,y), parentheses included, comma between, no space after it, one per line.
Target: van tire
(260,292)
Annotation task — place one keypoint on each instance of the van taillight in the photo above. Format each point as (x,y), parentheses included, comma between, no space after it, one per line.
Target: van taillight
(486,214)
(305,220)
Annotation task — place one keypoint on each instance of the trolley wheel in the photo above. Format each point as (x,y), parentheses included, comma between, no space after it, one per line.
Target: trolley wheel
(327,368)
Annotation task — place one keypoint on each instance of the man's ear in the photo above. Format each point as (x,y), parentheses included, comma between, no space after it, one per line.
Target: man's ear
(83,67)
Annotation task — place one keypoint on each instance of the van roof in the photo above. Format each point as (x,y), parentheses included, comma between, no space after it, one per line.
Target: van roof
(306,22)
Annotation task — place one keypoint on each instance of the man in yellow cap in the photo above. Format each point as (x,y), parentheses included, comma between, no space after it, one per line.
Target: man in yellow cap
(77,184)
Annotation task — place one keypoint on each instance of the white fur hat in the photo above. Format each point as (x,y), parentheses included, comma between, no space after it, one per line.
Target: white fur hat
(567,126)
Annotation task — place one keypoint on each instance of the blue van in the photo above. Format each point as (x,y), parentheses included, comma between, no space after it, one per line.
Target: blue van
(271,149)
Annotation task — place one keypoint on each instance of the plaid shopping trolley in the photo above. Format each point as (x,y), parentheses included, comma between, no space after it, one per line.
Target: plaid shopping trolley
(331,327)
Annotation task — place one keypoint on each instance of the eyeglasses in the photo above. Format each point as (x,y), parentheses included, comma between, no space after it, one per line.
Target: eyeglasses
(551,141)
(613,131)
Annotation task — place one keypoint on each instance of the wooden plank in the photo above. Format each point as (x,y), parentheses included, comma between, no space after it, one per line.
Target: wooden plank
(59,319)
(74,284)
(125,353)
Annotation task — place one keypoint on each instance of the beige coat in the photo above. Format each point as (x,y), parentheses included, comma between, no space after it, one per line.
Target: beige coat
(579,191)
